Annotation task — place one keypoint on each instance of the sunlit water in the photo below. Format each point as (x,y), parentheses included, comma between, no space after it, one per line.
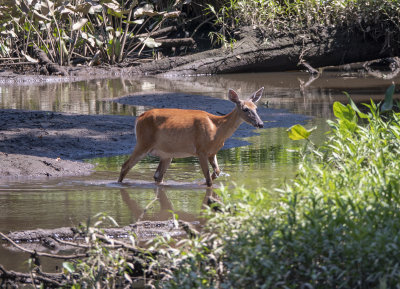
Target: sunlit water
(266,163)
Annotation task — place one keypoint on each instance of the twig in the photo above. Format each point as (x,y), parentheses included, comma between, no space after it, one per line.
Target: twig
(10,58)
(309,68)
(26,278)
(161,32)
(201,24)
(121,53)
(73,244)
(176,42)
(18,63)
(65,257)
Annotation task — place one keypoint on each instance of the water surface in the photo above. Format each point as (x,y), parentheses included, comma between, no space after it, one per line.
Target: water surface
(266,163)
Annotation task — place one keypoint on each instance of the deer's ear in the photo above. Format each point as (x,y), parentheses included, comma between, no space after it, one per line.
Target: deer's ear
(233,96)
(257,95)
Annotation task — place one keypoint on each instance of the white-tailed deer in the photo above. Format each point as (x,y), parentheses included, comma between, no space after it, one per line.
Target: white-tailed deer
(179,133)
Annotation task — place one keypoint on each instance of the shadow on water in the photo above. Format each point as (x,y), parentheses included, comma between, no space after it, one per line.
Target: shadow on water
(265,163)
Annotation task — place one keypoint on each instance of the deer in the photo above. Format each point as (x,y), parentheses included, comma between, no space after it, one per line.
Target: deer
(170,133)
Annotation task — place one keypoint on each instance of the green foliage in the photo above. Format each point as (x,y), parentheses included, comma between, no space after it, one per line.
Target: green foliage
(388,102)
(276,16)
(298,132)
(346,116)
(334,226)
(66,29)
(107,266)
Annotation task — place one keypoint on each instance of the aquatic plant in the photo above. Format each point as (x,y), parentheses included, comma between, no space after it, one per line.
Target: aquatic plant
(81,30)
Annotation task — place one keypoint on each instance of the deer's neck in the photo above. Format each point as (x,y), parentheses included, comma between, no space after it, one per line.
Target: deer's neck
(228,124)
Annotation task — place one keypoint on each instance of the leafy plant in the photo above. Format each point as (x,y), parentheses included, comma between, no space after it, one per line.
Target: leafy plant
(275,17)
(333,226)
(86,29)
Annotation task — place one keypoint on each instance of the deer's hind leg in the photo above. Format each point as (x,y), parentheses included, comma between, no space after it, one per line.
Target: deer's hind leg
(204,167)
(161,169)
(138,153)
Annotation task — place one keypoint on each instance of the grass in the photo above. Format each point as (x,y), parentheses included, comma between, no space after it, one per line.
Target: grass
(334,226)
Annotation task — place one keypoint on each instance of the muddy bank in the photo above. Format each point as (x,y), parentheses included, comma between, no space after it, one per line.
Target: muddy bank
(48,144)
(253,51)
(17,165)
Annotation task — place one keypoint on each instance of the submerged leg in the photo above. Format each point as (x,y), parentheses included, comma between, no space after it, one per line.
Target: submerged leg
(204,167)
(214,164)
(137,154)
(161,169)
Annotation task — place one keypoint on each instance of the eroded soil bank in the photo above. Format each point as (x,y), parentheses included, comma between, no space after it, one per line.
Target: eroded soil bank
(47,144)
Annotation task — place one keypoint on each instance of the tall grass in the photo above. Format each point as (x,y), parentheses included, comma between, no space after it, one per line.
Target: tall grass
(336,225)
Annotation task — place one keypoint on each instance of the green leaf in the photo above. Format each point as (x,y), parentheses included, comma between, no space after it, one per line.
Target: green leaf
(112,220)
(150,42)
(344,112)
(64,47)
(69,267)
(39,16)
(146,10)
(354,106)
(388,103)
(298,132)
(349,125)
(95,9)
(78,25)
(30,59)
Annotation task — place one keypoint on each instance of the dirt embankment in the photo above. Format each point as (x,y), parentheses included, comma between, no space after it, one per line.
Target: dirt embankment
(40,143)
(254,51)
(48,144)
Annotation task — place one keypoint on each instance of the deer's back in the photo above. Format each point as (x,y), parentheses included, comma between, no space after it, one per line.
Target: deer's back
(175,132)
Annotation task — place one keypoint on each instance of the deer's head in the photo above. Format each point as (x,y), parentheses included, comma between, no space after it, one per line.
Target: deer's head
(247,108)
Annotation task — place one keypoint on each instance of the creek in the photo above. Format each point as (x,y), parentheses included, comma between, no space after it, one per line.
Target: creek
(267,161)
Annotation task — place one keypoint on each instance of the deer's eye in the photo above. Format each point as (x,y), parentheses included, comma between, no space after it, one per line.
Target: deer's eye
(245,109)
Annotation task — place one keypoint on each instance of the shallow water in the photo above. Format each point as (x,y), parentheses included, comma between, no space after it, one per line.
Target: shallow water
(267,162)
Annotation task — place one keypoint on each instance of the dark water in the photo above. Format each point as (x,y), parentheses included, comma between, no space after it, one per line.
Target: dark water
(266,163)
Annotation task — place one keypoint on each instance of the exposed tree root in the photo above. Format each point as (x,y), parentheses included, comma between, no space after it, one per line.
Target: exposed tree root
(48,67)
(256,52)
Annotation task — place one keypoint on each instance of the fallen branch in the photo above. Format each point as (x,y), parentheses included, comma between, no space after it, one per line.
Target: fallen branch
(311,70)
(18,63)
(392,63)
(26,278)
(41,254)
(176,42)
(143,230)
(159,33)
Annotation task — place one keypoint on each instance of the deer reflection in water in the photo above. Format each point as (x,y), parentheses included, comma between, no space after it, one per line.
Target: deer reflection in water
(166,208)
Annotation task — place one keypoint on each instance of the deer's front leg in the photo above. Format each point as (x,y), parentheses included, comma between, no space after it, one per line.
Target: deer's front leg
(161,169)
(214,163)
(204,167)
(138,153)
